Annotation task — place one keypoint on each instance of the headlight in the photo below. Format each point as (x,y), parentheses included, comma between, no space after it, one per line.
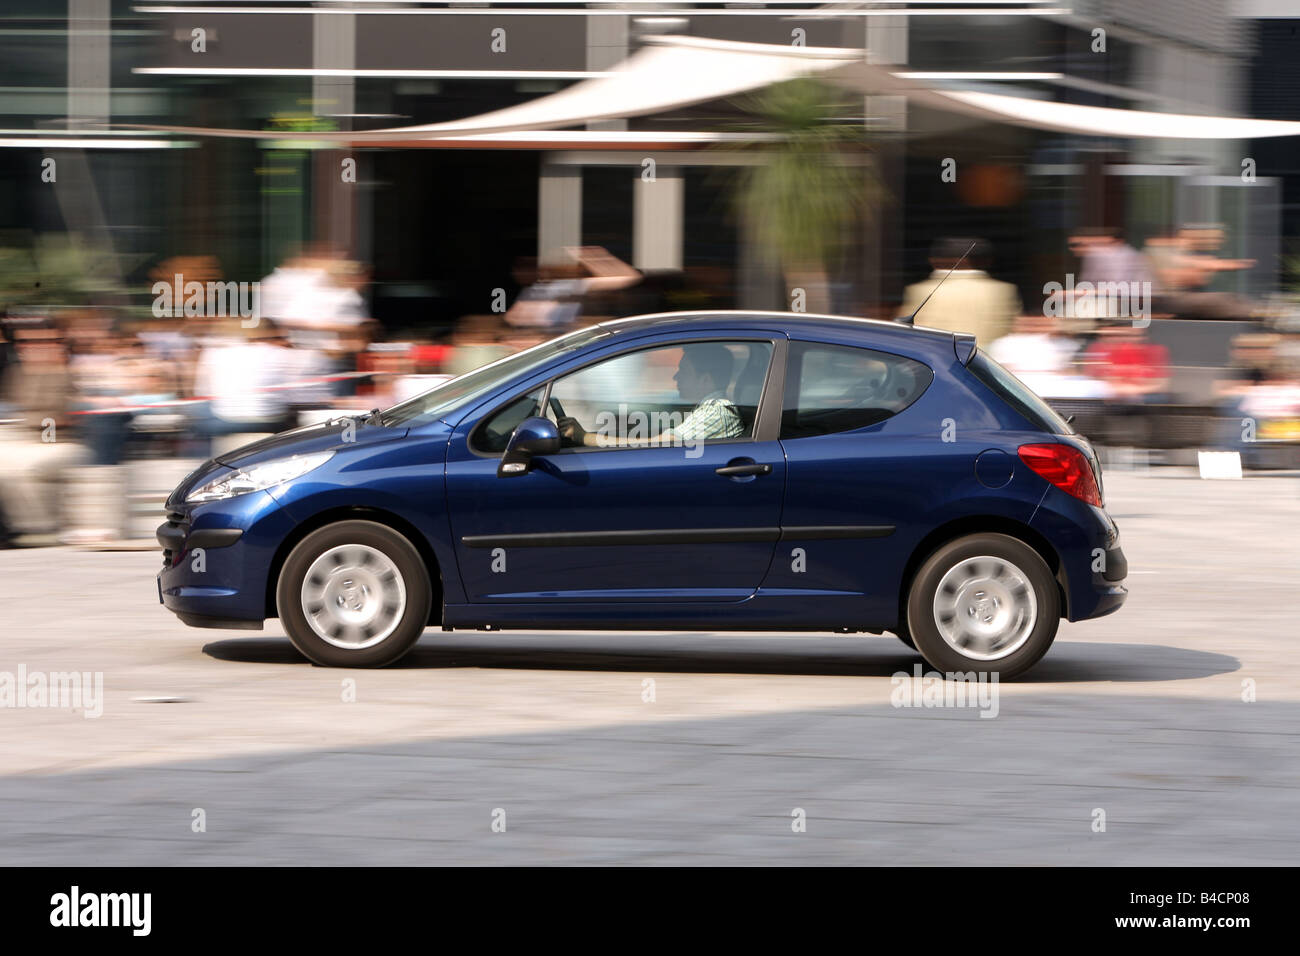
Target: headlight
(258,477)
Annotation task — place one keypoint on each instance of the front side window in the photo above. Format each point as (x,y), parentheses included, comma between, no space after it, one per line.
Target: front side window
(837,388)
(672,395)
(492,436)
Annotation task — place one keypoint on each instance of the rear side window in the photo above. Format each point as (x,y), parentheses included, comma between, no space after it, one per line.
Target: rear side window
(1018,395)
(837,388)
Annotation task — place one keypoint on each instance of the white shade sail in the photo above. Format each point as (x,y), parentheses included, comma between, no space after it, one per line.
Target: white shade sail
(672,72)
(668,73)
(1103,121)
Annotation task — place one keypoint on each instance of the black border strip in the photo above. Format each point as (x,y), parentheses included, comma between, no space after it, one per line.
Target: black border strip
(562,539)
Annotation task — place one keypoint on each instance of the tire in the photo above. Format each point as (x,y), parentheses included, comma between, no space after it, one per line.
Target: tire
(354,594)
(985,602)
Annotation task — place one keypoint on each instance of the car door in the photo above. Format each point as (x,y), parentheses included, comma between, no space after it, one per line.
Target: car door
(648,513)
(856,481)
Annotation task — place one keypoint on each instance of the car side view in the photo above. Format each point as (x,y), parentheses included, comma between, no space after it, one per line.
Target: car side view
(701,471)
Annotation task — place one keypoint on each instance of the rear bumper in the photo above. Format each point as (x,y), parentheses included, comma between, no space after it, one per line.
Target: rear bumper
(1102,579)
(1108,590)
(1093,566)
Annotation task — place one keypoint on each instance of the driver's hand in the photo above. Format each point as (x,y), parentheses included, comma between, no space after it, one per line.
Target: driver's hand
(571,430)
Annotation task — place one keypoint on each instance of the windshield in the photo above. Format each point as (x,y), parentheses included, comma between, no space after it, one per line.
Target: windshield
(1018,395)
(441,399)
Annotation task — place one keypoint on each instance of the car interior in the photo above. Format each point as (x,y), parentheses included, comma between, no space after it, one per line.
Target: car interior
(635,389)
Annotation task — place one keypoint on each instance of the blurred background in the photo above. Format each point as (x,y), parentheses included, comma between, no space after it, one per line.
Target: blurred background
(150,150)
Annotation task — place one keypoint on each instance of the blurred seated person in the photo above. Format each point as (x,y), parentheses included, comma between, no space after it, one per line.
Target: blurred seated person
(1186,266)
(1134,369)
(1037,354)
(37,449)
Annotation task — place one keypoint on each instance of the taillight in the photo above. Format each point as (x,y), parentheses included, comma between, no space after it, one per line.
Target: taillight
(1064,466)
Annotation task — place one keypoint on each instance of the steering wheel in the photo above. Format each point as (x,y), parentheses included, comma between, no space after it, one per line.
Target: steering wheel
(558,410)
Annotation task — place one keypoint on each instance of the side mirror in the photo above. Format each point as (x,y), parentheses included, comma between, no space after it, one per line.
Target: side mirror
(533,436)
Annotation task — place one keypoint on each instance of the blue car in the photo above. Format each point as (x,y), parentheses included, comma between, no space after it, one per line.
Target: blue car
(705,471)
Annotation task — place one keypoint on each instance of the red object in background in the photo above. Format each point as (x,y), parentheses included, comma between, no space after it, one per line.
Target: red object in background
(1133,363)
(1064,466)
(430,358)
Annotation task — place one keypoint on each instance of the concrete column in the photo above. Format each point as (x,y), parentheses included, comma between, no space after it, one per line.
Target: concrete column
(89,61)
(89,80)
(334,47)
(882,255)
(658,209)
(607,44)
(559,211)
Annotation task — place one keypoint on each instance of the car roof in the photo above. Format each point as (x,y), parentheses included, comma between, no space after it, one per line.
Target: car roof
(841,328)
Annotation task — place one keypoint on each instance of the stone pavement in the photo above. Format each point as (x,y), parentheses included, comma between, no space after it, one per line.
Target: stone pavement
(1139,714)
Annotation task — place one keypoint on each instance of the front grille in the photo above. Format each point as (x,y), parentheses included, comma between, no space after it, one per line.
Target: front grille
(177,528)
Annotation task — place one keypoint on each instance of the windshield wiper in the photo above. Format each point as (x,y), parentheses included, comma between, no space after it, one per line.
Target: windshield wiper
(372,417)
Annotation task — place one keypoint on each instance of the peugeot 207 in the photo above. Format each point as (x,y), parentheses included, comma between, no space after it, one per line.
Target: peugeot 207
(705,471)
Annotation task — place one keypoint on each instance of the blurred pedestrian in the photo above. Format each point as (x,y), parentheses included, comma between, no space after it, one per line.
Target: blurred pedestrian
(475,342)
(970,300)
(1107,258)
(237,375)
(555,300)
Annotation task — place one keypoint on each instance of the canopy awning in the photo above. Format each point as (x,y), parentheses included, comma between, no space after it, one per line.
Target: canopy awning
(1104,121)
(669,73)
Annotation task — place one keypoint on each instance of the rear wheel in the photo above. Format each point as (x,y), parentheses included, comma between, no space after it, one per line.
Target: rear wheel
(985,602)
(354,594)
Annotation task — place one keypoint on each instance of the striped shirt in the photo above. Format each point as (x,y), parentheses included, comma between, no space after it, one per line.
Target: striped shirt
(713,417)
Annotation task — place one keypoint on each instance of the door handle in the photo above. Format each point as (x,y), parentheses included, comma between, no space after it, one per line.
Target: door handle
(741,471)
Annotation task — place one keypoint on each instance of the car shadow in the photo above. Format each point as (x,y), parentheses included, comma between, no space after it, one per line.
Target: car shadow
(855,656)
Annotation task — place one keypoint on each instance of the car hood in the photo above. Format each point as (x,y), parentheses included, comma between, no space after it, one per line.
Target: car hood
(311,438)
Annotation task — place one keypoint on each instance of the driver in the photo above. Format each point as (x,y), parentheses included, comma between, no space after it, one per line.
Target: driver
(702,377)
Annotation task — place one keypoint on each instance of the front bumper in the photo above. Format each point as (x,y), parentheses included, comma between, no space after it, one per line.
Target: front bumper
(217,558)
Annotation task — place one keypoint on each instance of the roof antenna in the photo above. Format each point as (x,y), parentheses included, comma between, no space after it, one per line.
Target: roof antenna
(911,319)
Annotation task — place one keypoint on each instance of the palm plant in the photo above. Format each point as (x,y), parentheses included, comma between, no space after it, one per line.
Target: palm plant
(800,201)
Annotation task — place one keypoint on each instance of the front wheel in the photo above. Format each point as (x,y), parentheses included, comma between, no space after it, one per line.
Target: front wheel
(354,594)
(985,602)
